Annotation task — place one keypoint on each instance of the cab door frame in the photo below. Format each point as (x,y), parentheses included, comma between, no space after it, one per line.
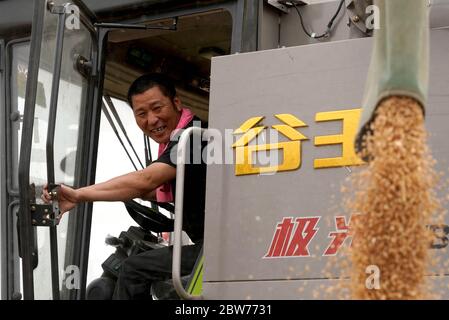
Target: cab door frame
(10,256)
(3,193)
(78,230)
(89,150)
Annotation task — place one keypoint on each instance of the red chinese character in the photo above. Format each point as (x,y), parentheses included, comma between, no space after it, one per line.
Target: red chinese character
(281,238)
(305,231)
(286,245)
(338,236)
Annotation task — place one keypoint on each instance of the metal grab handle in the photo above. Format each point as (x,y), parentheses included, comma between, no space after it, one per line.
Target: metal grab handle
(179,206)
(61,12)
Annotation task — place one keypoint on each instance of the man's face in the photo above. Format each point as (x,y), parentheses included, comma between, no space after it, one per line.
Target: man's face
(156,115)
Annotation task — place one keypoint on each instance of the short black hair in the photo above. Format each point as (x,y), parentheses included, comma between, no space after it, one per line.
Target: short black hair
(150,80)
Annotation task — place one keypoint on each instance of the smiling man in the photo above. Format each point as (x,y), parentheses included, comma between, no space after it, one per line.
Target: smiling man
(159,114)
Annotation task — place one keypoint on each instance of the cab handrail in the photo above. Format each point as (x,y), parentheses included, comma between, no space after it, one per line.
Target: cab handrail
(179,206)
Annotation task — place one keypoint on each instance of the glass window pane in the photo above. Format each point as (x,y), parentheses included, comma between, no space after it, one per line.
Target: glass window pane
(19,70)
(17,81)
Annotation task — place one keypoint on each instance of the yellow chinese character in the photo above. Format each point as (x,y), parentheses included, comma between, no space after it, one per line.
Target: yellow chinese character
(350,119)
(291,149)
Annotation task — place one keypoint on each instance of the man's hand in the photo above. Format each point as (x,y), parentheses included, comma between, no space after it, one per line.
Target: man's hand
(67,198)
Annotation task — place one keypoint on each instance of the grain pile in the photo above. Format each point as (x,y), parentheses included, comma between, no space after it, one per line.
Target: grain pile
(392,203)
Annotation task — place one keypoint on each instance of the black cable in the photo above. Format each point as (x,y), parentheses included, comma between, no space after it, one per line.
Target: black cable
(331,22)
(148,155)
(109,118)
(117,118)
(329,25)
(304,28)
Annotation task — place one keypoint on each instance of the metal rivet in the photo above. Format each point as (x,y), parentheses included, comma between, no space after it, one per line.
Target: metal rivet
(355,19)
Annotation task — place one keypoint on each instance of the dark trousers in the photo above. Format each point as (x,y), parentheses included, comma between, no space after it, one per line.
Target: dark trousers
(139,271)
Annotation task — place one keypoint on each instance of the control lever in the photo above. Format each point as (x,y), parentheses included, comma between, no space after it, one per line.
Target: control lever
(113,241)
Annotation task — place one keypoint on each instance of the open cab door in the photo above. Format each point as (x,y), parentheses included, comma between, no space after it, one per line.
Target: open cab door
(56,147)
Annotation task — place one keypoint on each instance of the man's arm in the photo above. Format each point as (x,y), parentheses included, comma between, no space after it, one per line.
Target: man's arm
(137,184)
(129,186)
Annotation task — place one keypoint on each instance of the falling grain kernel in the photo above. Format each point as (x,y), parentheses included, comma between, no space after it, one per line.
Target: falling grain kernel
(403,194)
(394,199)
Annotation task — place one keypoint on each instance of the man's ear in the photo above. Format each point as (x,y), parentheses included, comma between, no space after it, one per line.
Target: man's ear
(177,103)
